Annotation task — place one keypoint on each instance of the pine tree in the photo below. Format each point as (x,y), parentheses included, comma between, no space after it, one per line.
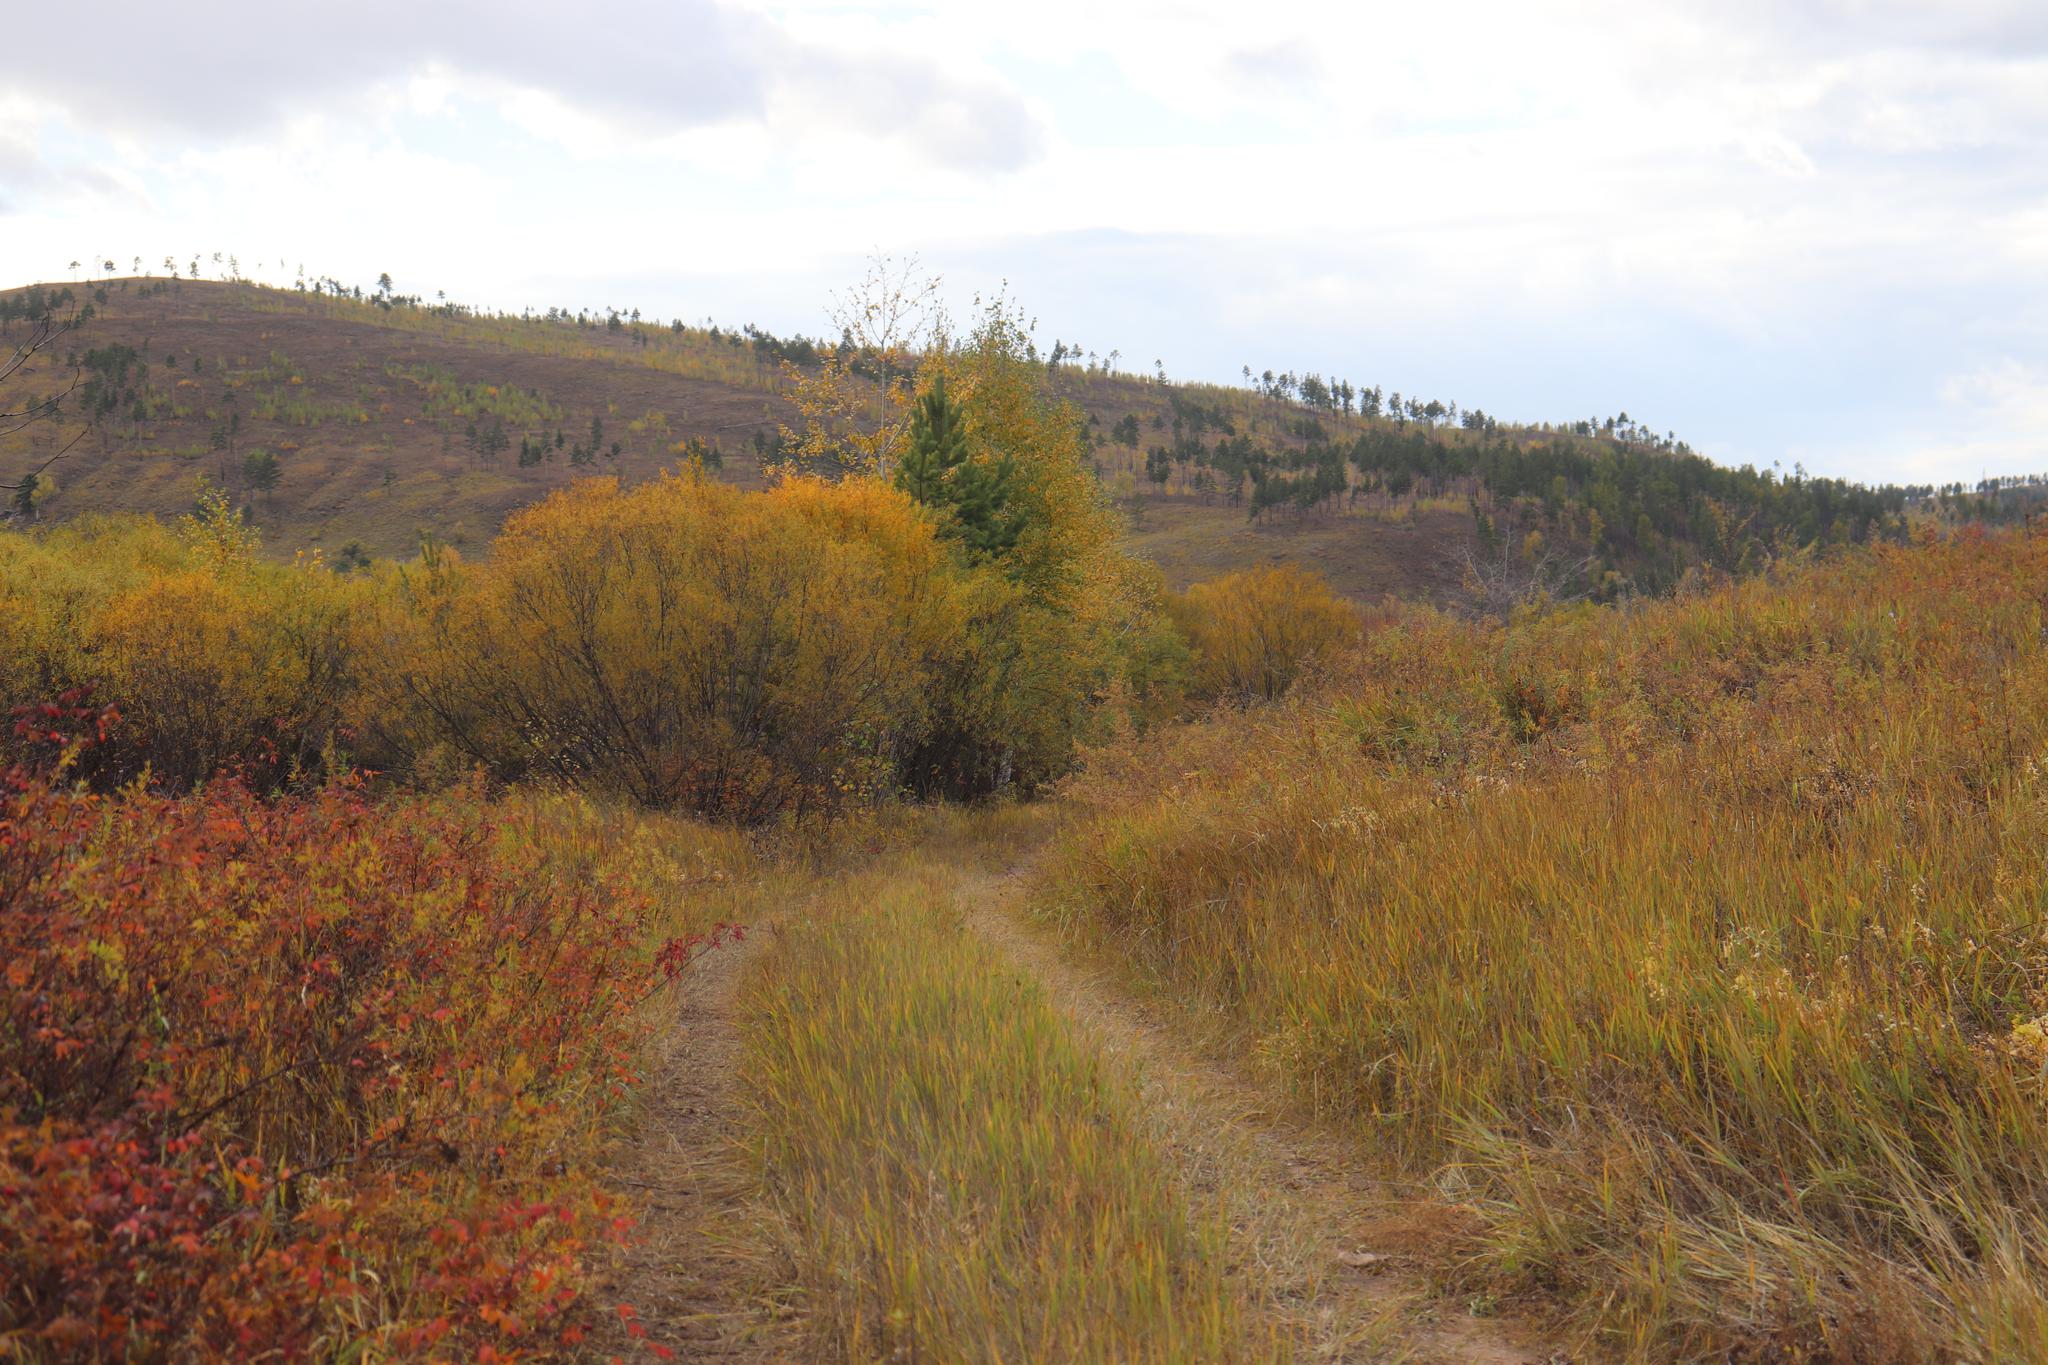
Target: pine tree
(938,448)
(939,471)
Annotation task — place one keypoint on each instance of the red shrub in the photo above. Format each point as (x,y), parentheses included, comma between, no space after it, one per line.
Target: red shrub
(301,1074)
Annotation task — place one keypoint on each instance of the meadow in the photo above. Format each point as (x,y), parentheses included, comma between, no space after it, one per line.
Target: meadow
(1691,952)
(1643,978)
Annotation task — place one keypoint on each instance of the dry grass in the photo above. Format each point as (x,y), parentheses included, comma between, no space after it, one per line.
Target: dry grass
(1695,948)
(1366,554)
(961,1179)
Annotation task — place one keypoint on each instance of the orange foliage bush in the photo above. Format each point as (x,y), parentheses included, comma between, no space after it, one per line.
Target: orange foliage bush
(1253,633)
(682,643)
(312,1076)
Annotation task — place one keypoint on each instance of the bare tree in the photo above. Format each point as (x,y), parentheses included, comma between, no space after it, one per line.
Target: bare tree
(46,328)
(886,322)
(1498,583)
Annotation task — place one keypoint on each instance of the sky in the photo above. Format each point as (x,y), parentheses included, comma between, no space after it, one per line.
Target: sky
(1808,232)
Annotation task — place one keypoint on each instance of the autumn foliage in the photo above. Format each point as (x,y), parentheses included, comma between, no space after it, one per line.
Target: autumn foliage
(1252,634)
(309,1076)
(217,660)
(1691,950)
(683,644)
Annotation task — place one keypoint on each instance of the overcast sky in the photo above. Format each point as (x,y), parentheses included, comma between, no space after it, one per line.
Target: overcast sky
(1791,230)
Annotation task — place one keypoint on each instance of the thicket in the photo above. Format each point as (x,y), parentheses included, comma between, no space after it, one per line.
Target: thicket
(683,644)
(1252,635)
(1692,949)
(217,659)
(314,1077)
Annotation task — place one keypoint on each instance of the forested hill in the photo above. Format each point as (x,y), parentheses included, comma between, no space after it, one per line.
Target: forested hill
(358,423)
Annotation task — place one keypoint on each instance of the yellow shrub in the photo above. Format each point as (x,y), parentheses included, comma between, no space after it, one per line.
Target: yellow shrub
(212,659)
(1253,633)
(686,643)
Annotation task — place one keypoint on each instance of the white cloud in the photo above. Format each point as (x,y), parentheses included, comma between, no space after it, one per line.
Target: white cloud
(1560,204)
(652,67)
(2001,421)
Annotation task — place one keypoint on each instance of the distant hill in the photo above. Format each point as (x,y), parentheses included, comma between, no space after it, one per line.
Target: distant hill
(359,424)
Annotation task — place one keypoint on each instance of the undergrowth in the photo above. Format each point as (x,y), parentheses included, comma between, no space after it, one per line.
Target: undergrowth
(317,1076)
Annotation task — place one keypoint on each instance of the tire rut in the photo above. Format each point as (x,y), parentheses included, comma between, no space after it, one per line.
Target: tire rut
(697,1266)
(1301,1212)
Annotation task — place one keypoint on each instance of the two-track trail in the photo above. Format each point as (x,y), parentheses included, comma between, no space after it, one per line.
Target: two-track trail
(1302,1215)
(1316,1247)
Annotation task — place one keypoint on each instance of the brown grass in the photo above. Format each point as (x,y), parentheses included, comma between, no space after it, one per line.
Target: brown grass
(1693,949)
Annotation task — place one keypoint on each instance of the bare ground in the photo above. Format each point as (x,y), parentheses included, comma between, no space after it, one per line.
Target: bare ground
(698,1273)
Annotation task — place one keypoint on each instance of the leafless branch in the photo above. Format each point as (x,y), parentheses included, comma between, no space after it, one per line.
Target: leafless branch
(1498,584)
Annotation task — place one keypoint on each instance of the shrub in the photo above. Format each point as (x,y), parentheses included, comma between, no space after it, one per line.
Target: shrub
(308,1076)
(1252,634)
(740,655)
(215,658)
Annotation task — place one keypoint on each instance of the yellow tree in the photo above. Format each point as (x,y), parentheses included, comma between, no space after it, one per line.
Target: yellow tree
(855,404)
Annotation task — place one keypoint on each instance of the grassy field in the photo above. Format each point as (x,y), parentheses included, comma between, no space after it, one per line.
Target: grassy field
(1362,556)
(368,411)
(1692,951)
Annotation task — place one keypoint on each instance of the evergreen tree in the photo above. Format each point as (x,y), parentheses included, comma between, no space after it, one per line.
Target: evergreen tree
(939,471)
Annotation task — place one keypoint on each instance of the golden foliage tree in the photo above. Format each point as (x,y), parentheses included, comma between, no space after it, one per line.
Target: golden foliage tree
(1253,633)
(1053,616)
(855,403)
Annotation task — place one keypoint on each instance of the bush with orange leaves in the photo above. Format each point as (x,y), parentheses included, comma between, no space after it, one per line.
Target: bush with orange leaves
(1253,633)
(685,644)
(314,1075)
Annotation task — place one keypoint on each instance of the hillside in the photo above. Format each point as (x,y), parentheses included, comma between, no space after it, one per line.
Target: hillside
(863,918)
(356,426)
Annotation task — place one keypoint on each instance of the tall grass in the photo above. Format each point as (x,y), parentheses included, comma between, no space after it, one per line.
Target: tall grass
(961,1179)
(1698,948)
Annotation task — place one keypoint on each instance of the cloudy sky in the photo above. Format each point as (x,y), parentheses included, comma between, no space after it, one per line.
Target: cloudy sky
(1808,231)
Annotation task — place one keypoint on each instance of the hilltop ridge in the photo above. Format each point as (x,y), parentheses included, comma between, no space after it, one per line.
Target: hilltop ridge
(358,425)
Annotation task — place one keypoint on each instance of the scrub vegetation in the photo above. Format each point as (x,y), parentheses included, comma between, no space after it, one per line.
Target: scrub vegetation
(1669,966)
(1691,950)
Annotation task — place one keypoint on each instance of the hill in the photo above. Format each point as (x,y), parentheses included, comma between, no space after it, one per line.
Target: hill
(599,943)
(360,424)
